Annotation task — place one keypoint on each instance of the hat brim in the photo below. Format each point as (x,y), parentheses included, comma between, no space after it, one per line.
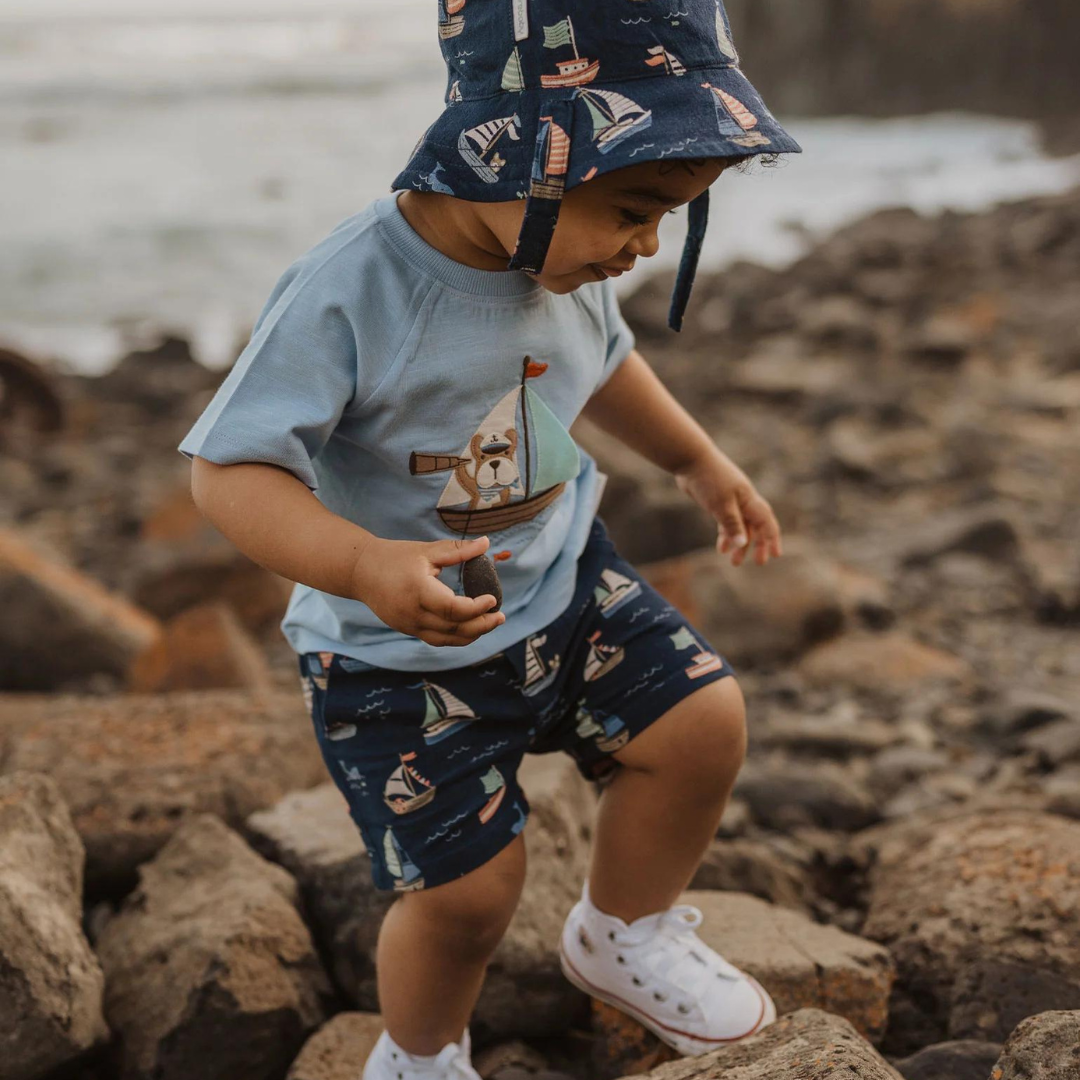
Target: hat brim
(706,112)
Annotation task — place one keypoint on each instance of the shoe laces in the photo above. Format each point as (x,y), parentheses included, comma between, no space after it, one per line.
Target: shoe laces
(673,954)
(454,1063)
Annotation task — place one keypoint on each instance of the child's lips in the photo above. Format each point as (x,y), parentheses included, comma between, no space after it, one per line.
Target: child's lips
(608,271)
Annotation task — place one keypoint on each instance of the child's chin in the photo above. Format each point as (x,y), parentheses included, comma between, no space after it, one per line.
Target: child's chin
(567,283)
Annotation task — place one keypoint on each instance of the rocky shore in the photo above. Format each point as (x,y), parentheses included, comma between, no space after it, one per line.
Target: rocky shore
(183,894)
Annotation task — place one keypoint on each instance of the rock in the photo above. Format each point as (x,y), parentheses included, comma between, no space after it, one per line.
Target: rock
(1018,710)
(620,1044)
(30,400)
(202,648)
(890,662)
(807,1045)
(823,793)
(1054,744)
(338,1050)
(942,339)
(50,981)
(1043,1047)
(861,449)
(966,889)
(509,1060)
(130,766)
(210,971)
(803,964)
(524,993)
(990,997)
(840,321)
(87,629)
(752,866)
(780,370)
(838,736)
(775,613)
(897,766)
(975,531)
(966,1059)
(1063,792)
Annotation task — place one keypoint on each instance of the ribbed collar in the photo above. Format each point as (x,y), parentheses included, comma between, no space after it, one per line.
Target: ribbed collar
(417,251)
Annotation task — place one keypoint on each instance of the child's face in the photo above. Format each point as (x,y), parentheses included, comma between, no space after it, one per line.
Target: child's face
(606,223)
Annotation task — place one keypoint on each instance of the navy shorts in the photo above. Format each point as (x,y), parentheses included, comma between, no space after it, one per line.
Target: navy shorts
(428,761)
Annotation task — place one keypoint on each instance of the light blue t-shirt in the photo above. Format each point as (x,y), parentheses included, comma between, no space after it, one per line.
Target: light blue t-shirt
(424,400)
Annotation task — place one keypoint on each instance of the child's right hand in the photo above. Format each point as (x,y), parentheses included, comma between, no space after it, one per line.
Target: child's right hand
(399,581)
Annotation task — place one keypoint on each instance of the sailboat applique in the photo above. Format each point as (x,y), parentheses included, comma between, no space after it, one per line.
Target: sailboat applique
(703,660)
(574,72)
(735,121)
(406,790)
(444,713)
(614,117)
(405,872)
(515,465)
(672,64)
(477,145)
(450,22)
(495,786)
(601,658)
(614,590)
(538,674)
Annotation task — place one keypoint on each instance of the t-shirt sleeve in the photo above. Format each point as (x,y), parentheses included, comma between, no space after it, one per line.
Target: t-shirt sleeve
(287,390)
(620,338)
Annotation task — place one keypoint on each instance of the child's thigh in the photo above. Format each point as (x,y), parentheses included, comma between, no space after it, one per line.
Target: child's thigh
(427,763)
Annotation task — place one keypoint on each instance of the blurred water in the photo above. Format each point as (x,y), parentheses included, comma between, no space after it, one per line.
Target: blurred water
(164,160)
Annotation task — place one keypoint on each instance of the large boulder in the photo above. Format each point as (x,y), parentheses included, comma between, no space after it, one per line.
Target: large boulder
(807,1045)
(803,964)
(773,613)
(524,993)
(964,1059)
(1043,1047)
(68,626)
(50,981)
(338,1050)
(130,766)
(210,970)
(957,895)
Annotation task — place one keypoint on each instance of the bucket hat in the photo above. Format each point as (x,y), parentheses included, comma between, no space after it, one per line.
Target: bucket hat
(543,95)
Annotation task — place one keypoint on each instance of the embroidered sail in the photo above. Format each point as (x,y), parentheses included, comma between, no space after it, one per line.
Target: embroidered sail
(614,117)
(516,463)
(672,64)
(549,167)
(538,673)
(574,72)
(405,872)
(477,145)
(601,658)
(613,590)
(406,790)
(444,713)
(512,77)
(735,121)
(723,38)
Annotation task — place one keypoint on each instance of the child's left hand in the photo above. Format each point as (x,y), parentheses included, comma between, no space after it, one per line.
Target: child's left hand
(719,486)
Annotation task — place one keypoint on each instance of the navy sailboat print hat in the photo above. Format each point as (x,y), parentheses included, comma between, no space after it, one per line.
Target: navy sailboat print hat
(543,95)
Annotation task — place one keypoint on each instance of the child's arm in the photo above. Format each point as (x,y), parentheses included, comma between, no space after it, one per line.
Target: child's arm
(274,519)
(636,407)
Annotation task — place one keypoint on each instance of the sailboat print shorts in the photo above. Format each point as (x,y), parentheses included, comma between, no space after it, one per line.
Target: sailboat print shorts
(428,762)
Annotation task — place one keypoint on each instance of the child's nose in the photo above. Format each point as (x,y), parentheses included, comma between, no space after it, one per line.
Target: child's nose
(644,243)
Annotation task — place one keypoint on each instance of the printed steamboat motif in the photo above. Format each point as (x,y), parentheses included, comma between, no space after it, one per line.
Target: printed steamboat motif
(406,790)
(574,72)
(450,22)
(477,145)
(607,731)
(517,463)
(703,660)
(734,120)
(405,872)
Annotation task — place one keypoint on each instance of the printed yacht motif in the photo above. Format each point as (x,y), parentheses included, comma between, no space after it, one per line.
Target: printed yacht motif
(703,660)
(574,72)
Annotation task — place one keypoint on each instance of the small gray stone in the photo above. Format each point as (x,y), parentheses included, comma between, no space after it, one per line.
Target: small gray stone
(1043,1047)
(964,1059)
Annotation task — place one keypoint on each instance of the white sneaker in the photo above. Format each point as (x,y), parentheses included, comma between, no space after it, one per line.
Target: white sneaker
(387,1061)
(657,970)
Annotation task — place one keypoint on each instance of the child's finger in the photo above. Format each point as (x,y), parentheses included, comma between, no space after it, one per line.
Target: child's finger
(438,599)
(470,629)
(450,552)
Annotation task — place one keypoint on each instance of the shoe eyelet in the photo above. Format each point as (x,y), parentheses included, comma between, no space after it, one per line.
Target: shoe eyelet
(611,935)
(659,996)
(637,981)
(683,1008)
(621,959)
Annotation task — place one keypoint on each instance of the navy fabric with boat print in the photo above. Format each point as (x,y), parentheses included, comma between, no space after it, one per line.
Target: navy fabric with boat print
(428,762)
(543,95)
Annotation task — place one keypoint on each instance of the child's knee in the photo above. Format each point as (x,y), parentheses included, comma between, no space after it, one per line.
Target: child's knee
(472,912)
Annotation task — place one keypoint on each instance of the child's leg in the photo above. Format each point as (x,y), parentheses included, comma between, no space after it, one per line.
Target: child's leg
(659,811)
(434,946)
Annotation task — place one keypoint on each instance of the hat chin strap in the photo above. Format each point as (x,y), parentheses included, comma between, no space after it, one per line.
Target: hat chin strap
(698,215)
(545,189)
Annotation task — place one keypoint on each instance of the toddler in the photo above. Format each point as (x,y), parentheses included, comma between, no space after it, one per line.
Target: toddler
(403,407)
